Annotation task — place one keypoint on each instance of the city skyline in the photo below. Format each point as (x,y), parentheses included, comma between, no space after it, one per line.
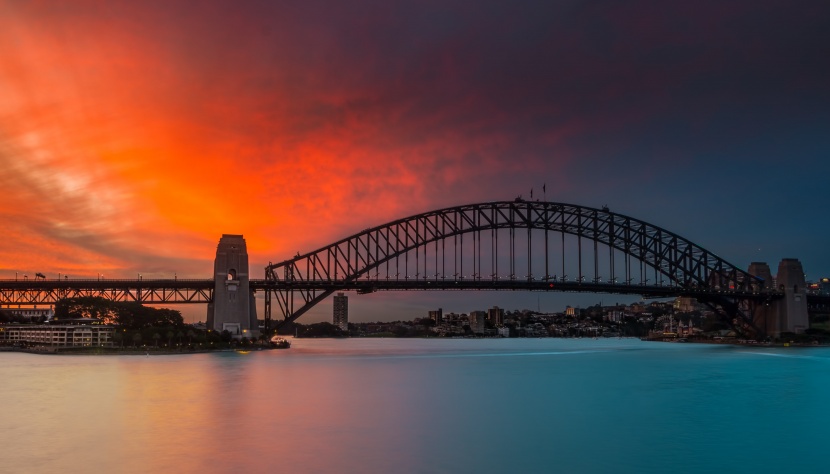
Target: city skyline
(134,135)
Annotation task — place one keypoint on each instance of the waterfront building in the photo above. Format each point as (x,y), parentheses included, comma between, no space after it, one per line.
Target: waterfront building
(341,311)
(685,304)
(31,313)
(477,321)
(437,316)
(570,311)
(615,316)
(59,335)
(496,316)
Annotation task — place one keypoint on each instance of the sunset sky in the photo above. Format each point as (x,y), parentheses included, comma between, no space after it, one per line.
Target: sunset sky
(133,134)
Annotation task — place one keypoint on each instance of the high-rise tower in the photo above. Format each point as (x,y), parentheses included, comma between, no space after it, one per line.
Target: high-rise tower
(233,308)
(341,311)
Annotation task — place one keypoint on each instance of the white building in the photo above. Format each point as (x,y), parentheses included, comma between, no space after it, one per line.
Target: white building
(31,313)
(614,316)
(63,335)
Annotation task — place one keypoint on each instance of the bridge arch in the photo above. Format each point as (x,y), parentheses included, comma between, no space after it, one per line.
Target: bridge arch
(301,282)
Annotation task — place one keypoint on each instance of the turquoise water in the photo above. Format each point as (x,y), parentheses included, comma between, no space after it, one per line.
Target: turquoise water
(397,405)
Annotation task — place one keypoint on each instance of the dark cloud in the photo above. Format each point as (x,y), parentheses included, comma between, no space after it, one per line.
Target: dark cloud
(709,118)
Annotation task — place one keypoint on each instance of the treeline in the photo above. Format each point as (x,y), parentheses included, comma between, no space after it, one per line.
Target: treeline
(322,329)
(9,317)
(127,314)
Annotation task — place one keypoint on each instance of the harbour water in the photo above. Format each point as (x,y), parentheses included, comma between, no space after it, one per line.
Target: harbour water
(422,406)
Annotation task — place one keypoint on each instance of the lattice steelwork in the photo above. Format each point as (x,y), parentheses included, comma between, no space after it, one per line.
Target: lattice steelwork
(511,245)
(34,292)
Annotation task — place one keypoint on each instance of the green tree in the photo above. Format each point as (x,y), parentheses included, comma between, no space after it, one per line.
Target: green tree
(156,337)
(86,307)
(131,314)
(170,335)
(137,338)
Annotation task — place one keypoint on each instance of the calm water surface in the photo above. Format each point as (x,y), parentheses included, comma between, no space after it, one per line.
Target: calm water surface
(412,406)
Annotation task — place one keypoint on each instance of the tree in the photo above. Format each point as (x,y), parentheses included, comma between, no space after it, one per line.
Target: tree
(156,337)
(137,338)
(170,338)
(86,307)
(118,337)
(130,314)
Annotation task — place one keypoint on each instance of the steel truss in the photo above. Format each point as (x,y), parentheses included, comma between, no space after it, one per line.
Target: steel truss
(429,250)
(34,292)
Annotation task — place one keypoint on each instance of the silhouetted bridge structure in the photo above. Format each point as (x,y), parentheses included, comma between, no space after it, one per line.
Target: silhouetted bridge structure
(507,245)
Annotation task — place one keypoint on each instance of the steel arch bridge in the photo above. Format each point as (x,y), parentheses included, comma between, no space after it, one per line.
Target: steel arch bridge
(516,245)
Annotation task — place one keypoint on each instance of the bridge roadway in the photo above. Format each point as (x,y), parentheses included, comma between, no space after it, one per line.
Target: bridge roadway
(183,291)
(32,292)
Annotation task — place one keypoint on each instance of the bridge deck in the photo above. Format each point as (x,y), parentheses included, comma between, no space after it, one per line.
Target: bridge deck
(181,291)
(31,292)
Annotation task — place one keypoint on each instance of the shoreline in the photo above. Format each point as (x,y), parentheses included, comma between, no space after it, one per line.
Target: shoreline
(130,352)
(98,351)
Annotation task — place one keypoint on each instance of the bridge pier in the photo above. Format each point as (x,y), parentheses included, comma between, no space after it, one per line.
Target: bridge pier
(787,314)
(764,315)
(792,308)
(233,308)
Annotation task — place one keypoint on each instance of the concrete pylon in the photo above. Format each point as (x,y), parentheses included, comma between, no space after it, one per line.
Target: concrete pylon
(233,308)
(764,316)
(792,308)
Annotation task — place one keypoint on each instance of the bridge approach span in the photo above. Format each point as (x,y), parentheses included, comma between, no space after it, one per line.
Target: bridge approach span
(45,291)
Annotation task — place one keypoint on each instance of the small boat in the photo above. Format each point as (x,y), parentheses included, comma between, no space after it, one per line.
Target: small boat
(280,343)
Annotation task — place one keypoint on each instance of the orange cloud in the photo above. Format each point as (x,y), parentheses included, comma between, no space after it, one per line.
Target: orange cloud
(132,139)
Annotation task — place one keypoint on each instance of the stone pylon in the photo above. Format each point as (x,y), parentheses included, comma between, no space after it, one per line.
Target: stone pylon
(792,308)
(765,315)
(788,314)
(233,308)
